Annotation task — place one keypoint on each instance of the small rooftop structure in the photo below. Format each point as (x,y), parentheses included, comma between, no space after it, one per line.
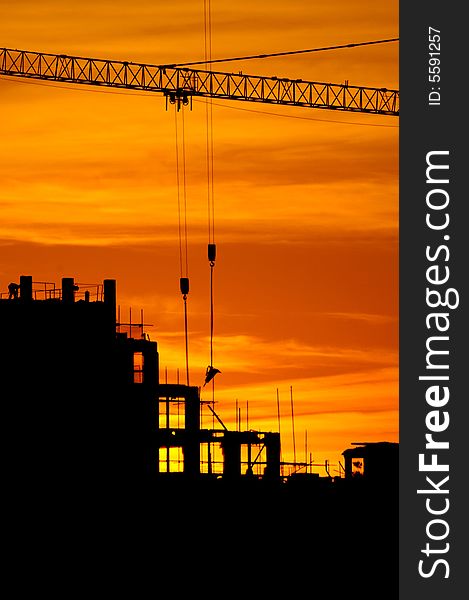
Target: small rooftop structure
(372,461)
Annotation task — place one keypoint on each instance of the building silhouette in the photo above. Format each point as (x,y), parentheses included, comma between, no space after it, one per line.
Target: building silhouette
(114,469)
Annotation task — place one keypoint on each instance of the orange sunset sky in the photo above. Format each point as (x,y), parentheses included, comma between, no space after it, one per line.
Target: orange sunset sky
(306,203)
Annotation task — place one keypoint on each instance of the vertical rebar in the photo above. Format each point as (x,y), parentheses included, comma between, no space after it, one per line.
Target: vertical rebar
(306,447)
(278,411)
(293,424)
(278,422)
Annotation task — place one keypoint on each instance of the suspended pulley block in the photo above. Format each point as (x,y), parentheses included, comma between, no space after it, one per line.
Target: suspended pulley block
(212,254)
(184,285)
(179,97)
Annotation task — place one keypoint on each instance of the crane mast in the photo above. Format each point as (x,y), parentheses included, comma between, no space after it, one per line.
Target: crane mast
(180,84)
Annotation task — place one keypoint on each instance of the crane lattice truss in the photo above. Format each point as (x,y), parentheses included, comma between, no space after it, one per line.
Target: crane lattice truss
(179,84)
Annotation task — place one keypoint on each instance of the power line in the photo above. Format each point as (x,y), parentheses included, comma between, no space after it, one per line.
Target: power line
(273,114)
(253,110)
(53,84)
(273,54)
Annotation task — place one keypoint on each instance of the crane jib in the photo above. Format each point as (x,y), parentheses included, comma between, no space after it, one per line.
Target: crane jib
(179,84)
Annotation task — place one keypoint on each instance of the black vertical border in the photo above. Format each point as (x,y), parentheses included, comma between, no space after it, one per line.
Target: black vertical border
(425,128)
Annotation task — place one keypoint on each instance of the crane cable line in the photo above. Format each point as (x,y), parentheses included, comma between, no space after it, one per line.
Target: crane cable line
(211,252)
(182,227)
(178,187)
(274,54)
(209,125)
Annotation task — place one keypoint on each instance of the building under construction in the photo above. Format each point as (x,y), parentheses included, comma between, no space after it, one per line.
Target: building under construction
(94,442)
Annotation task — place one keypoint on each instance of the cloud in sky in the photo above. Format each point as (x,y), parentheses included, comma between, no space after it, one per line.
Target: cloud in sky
(306,211)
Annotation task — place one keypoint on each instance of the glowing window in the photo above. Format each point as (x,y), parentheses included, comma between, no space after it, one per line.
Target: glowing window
(171,460)
(138,367)
(358,466)
(171,414)
(253,459)
(211,458)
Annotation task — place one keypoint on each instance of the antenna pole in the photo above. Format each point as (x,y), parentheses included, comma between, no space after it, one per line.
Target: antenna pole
(293,424)
(278,422)
(278,411)
(306,448)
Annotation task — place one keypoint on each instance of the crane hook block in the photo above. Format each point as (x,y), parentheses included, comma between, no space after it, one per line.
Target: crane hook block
(212,252)
(184,285)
